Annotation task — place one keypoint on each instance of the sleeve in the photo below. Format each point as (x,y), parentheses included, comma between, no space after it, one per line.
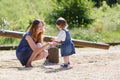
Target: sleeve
(61,36)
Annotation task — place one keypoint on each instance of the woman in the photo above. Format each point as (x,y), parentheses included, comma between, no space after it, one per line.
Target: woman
(31,46)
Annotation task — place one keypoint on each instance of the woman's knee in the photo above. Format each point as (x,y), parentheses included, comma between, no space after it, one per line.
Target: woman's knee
(45,53)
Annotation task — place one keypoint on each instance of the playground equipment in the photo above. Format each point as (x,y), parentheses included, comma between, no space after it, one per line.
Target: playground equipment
(54,52)
(77,43)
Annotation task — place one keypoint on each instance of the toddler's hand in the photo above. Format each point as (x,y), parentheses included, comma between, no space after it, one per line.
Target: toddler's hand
(52,43)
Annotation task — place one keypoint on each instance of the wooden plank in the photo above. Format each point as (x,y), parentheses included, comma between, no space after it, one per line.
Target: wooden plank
(114,43)
(77,43)
(8,33)
(7,47)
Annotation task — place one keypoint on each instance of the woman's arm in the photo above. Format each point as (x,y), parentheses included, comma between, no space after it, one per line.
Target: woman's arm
(31,43)
(38,45)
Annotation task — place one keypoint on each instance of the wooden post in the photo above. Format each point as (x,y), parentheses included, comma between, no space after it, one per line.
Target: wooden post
(53,56)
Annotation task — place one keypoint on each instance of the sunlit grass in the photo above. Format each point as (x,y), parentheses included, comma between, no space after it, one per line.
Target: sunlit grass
(18,14)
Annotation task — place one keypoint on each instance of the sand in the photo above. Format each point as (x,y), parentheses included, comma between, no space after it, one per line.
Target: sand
(86,64)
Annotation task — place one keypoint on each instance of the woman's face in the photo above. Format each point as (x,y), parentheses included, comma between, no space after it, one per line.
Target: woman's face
(40,28)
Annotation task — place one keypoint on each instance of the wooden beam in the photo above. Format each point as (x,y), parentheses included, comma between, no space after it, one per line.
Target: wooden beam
(7,47)
(77,43)
(113,43)
(8,33)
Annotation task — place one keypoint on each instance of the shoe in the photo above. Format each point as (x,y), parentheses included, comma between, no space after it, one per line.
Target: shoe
(64,65)
(68,63)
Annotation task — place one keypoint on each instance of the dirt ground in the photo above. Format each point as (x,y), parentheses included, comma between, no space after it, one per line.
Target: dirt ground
(86,64)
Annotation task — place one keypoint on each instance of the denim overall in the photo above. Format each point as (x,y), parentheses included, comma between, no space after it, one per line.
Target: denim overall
(67,47)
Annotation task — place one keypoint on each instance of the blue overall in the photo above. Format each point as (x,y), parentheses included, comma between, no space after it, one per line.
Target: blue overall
(67,47)
(23,51)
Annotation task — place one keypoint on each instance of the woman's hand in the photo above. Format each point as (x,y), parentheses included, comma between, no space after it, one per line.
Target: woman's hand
(39,45)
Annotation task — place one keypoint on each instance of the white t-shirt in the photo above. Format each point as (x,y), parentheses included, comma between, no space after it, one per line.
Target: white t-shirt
(61,36)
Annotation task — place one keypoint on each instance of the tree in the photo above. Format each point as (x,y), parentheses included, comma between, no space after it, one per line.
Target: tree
(76,12)
(111,2)
(98,3)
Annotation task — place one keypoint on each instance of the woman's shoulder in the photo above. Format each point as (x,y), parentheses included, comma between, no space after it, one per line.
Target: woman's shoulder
(27,33)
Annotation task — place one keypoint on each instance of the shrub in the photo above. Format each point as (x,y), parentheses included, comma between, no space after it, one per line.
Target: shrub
(76,12)
(98,3)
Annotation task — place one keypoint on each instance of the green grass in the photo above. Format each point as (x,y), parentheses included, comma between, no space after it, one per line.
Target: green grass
(18,14)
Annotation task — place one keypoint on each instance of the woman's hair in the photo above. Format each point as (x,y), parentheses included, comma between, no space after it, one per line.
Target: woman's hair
(33,30)
(61,22)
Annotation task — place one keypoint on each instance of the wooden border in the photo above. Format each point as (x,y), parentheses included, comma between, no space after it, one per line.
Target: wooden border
(77,43)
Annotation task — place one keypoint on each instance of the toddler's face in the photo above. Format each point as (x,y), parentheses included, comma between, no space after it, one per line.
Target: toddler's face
(58,27)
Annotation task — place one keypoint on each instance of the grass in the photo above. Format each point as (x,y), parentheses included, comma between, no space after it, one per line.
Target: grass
(106,27)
